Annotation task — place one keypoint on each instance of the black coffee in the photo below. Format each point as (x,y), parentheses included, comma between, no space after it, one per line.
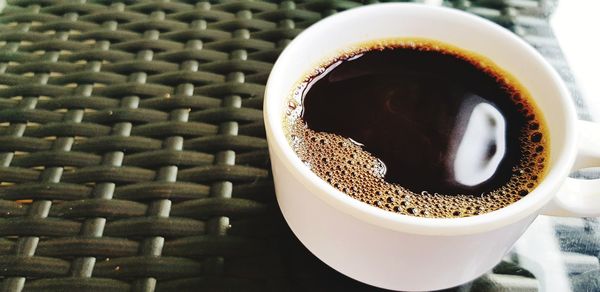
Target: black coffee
(421,129)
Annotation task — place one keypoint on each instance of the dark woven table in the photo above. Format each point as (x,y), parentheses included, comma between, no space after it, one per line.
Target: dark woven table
(133,155)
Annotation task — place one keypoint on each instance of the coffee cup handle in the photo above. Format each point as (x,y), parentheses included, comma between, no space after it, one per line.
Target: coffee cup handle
(580,197)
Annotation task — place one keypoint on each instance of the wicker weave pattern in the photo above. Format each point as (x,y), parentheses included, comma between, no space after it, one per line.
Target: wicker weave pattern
(133,154)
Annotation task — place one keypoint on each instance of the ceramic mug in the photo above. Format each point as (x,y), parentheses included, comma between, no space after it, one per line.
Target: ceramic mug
(402,252)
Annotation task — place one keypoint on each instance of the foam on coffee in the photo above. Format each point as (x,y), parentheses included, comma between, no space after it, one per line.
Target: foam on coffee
(349,167)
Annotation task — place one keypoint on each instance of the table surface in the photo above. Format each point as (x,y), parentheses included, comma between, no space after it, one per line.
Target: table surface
(573,21)
(133,155)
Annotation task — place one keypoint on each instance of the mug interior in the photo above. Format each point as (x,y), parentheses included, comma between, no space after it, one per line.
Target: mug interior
(331,36)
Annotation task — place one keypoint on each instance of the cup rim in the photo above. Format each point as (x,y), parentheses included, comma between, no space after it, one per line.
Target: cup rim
(527,206)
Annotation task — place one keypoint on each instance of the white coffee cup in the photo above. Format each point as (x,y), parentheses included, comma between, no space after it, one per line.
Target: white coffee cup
(403,252)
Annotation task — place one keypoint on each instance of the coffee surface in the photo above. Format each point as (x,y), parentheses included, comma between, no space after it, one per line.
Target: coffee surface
(420,129)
